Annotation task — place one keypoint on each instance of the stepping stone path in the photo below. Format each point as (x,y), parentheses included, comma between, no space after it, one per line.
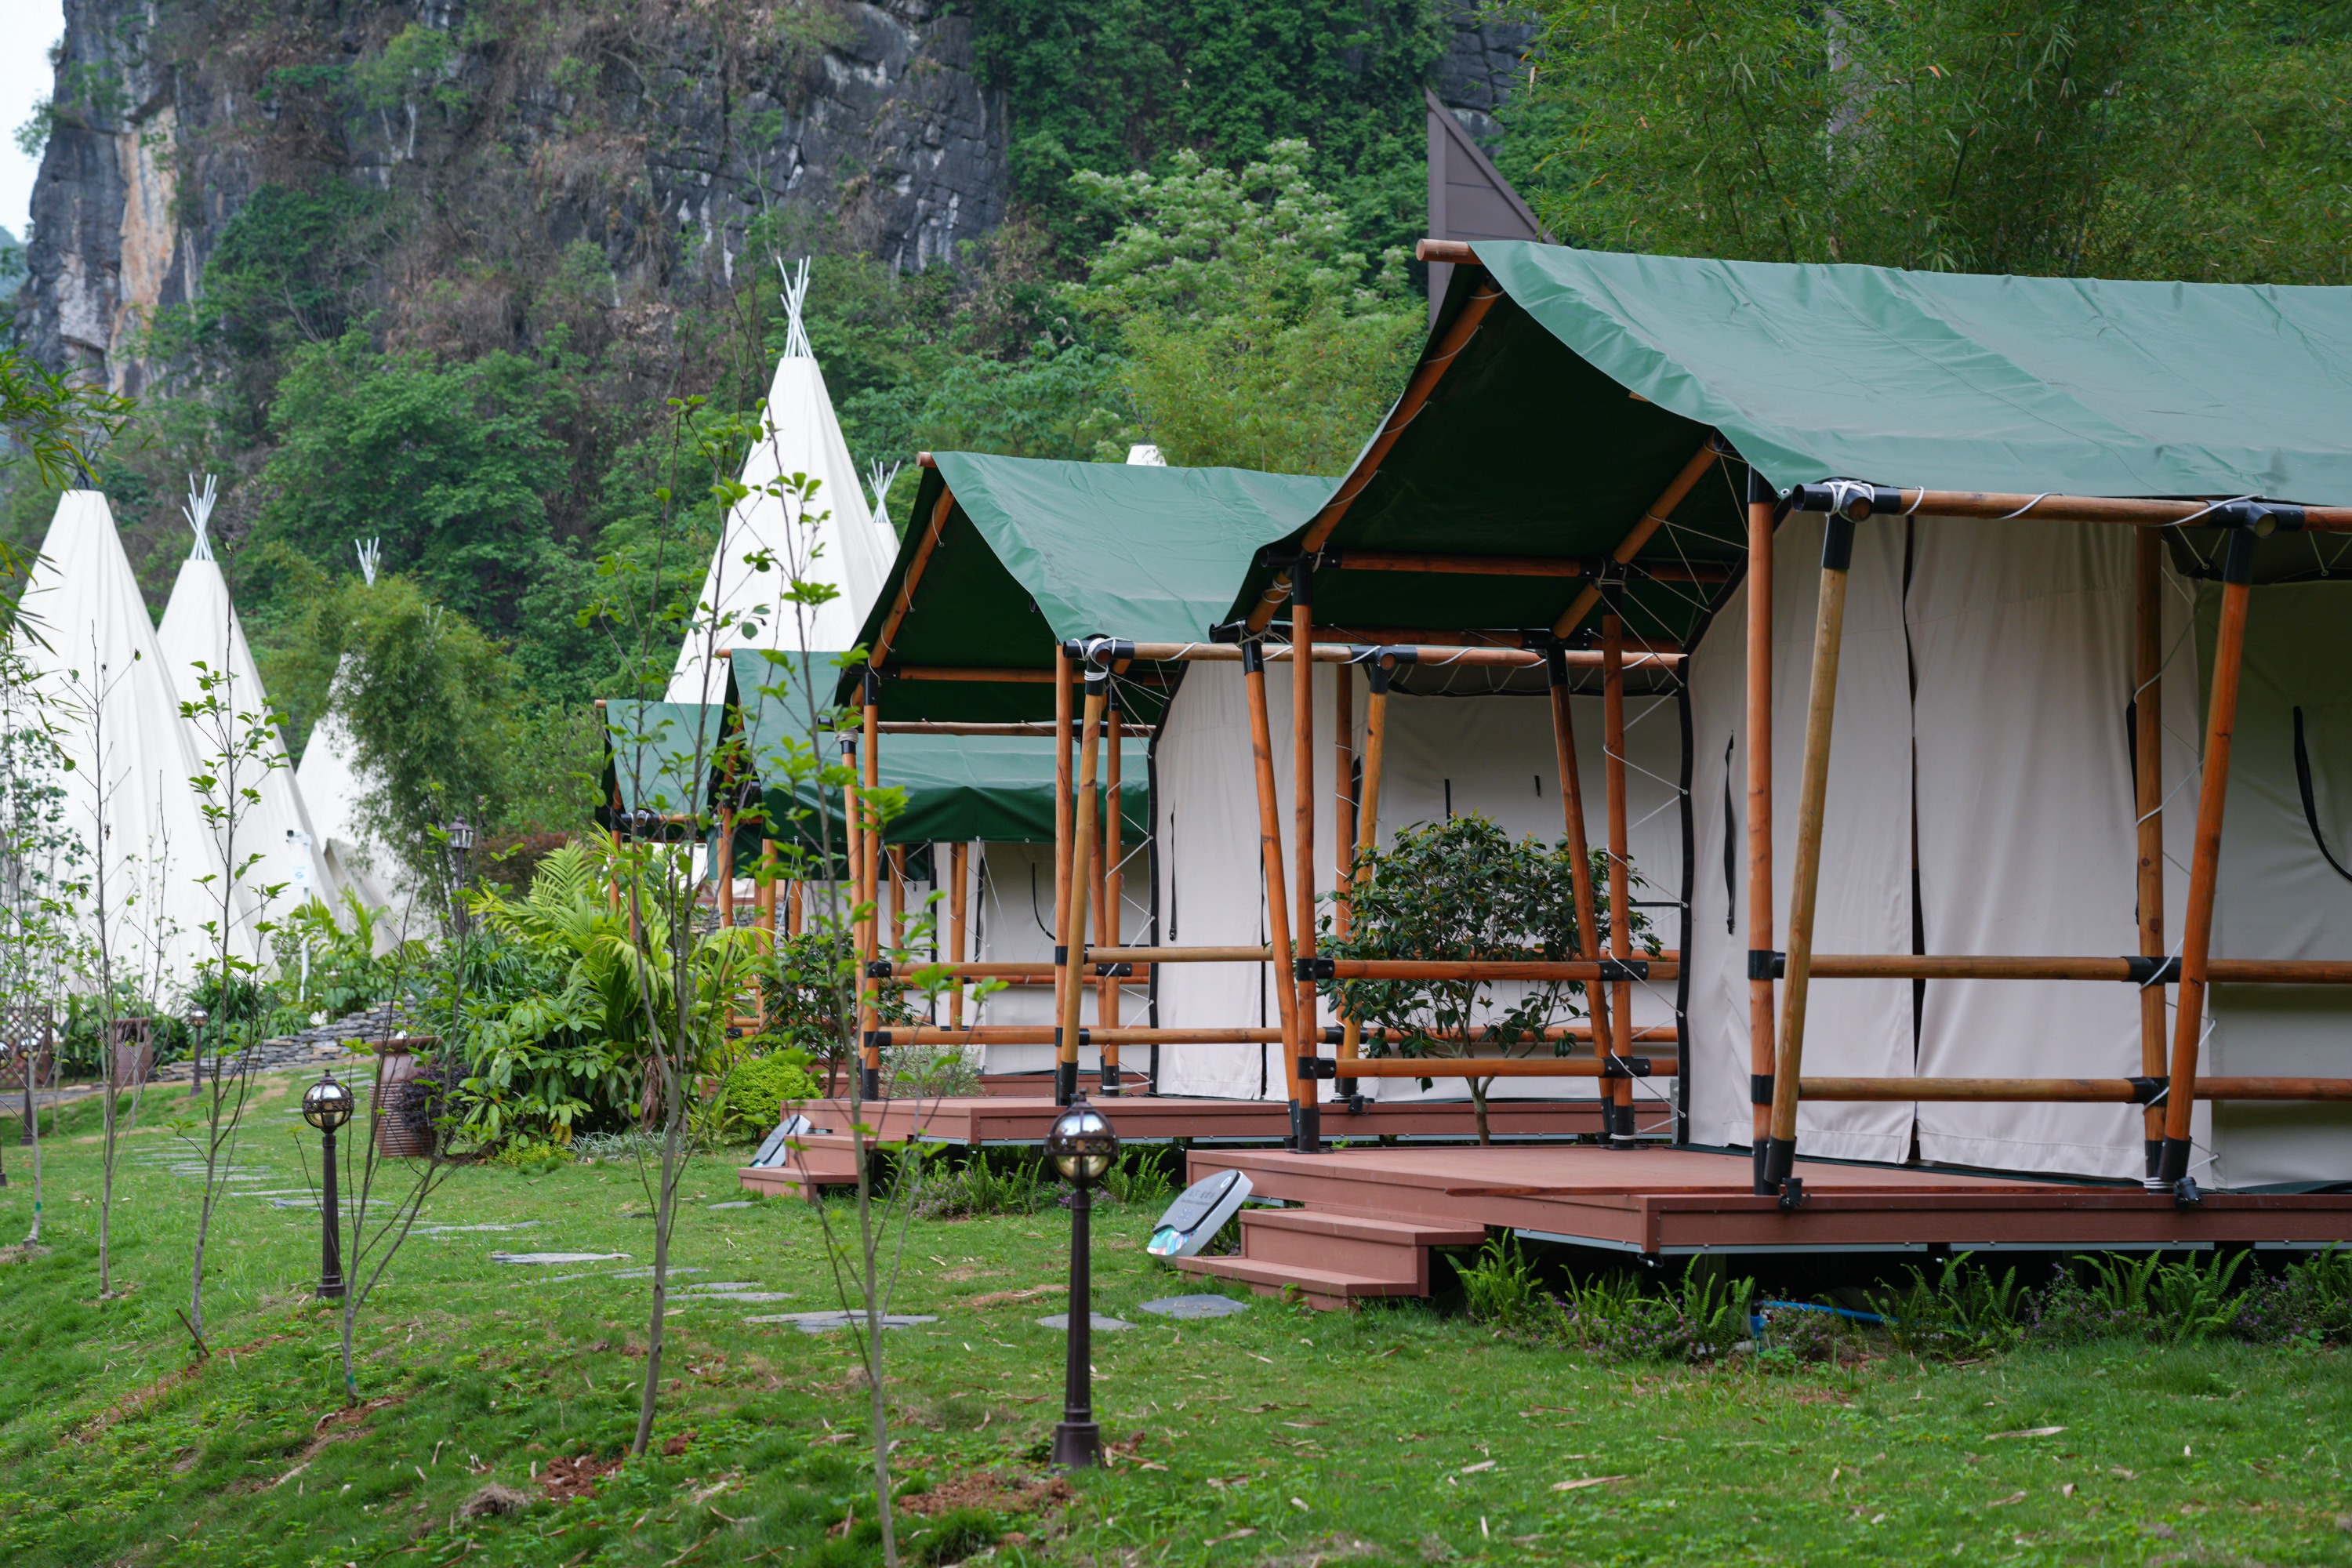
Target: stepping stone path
(825,1322)
(536,1257)
(1192,1307)
(738,1203)
(1100,1324)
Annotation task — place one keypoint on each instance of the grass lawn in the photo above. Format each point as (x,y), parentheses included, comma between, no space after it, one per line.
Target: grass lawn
(1401,1433)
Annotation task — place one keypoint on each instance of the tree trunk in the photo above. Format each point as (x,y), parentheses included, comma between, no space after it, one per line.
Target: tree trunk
(1478,1107)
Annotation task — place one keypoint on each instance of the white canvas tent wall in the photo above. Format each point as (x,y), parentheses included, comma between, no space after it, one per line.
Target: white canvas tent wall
(1489,753)
(330,785)
(200,628)
(851,550)
(128,797)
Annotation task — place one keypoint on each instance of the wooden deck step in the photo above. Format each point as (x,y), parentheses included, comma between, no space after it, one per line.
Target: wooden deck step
(1332,1259)
(821,1160)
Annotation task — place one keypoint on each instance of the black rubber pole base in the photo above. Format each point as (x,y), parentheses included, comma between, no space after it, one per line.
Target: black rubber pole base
(1066,1082)
(1307,1128)
(1077,1445)
(869,1083)
(2154,1181)
(1779,1160)
(1109,1082)
(2173,1168)
(1620,1118)
(1756,1158)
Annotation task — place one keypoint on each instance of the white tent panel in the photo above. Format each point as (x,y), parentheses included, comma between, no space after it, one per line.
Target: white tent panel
(1856,1027)
(2279,895)
(851,549)
(1011,897)
(348,856)
(1491,754)
(200,628)
(2028,838)
(146,846)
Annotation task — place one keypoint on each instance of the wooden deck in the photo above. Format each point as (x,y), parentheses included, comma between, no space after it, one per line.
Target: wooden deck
(1367,1218)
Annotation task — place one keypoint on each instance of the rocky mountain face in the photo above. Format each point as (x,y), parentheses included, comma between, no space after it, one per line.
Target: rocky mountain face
(656,130)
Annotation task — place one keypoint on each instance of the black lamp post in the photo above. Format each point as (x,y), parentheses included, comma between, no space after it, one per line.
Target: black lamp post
(1082,1146)
(327,1105)
(197,1017)
(461,868)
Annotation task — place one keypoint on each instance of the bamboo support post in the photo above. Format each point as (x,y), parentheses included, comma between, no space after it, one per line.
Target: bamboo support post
(1534,971)
(2148,737)
(852,861)
(1571,808)
(1760,1020)
(1515,1067)
(796,907)
(2249,513)
(722,868)
(1621,881)
(1828,627)
(1269,830)
(1307,1129)
(767,892)
(1108,919)
(1065,716)
(870,863)
(2204,865)
(1072,992)
(1348,811)
(959,934)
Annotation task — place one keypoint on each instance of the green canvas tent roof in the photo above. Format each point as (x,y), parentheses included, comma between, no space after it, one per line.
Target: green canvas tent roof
(1596,376)
(651,754)
(1032,553)
(989,789)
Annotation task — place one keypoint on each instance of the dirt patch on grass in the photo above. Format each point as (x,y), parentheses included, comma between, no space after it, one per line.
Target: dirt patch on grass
(566,1479)
(989,1490)
(1006,1297)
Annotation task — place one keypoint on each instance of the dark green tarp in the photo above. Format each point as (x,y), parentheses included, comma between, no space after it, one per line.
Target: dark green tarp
(987,789)
(1035,551)
(1597,376)
(657,757)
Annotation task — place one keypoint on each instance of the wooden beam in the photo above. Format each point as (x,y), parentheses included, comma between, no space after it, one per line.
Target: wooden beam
(959,934)
(1065,720)
(1435,363)
(2066,1090)
(1460,565)
(1538,970)
(1109,916)
(1652,519)
(1367,835)
(1306,1093)
(899,607)
(1505,1066)
(2142,512)
(972,673)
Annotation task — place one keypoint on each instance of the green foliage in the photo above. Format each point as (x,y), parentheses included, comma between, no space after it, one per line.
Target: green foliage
(1257,334)
(449,465)
(987,1183)
(54,423)
(1501,1287)
(328,961)
(1117,86)
(418,63)
(1701,1319)
(1965,1309)
(758,1088)
(2192,139)
(288,272)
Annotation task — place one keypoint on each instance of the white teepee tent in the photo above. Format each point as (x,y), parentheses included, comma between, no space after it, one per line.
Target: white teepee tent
(329,785)
(200,628)
(146,844)
(852,549)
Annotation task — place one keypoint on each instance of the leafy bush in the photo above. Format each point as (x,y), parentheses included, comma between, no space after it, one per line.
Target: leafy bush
(756,1088)
(1500,1285)
(986,1183)
(931,1072)
(1962,1312)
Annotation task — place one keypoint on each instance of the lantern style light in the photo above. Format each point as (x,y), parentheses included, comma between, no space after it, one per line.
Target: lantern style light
(327,1105)
(1082,1144)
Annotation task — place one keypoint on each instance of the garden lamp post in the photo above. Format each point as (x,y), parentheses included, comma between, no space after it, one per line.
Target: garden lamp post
(327,1105)
(461,868)
(197,1017)
(1082,1146)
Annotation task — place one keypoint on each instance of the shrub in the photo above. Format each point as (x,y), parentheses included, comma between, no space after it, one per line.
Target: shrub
(1962,1312)
(757,1089)
(1500,1285)
(986,1184)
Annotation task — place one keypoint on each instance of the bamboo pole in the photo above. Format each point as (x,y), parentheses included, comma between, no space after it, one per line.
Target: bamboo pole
(1072,994)
(953,672)
(940,510)
(2204,865)
(869,889)
(1549,971)
(765,898)
(1440,565)
(1306,1132)
(2145,513)
(1760,1028)
(1367,835)
(1434,362)
(722,868)
(1343,829)
(1620,880)
(1040,728)
(1108,919)
(959,934)
(2133,970)
(1653,518)
(1269,832)
(1064,717)
(1828,626)
(1440,655)
(2148,730)
(1571,808)
(1512,1067)
(795,915)
(2068,1090)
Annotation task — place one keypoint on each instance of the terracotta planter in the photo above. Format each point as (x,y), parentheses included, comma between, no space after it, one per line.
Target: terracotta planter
(407,1099)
